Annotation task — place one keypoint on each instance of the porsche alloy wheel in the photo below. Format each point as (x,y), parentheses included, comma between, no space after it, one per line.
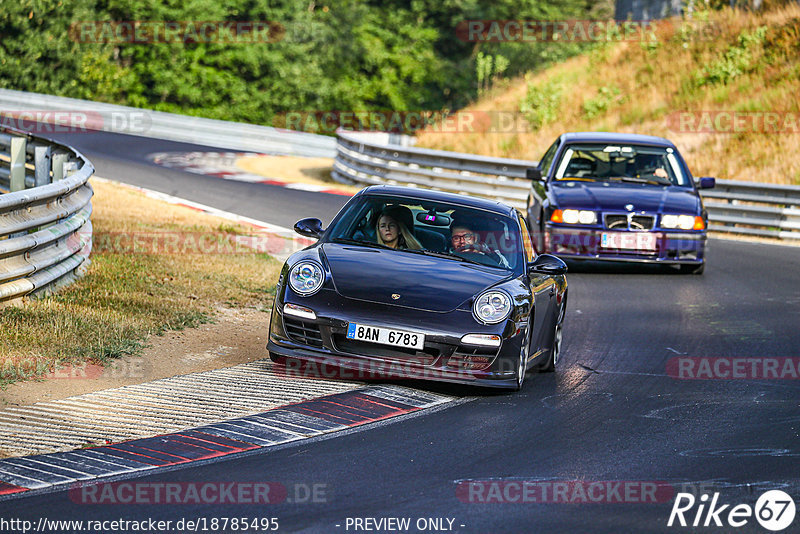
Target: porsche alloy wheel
(522,367)
(521,370)
(557,344)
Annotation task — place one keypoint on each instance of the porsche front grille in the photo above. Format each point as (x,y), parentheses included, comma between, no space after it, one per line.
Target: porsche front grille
(302,332)
(426,356)
(472,357)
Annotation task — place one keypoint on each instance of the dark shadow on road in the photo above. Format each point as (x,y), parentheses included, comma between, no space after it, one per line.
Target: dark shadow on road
(608,267)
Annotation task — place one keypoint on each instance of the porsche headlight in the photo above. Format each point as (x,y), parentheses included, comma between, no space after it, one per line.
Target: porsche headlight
(306,278)
(492,307)
(684,222)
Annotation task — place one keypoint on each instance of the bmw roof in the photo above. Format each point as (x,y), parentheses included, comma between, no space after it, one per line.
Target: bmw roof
(439,196)
(614,137)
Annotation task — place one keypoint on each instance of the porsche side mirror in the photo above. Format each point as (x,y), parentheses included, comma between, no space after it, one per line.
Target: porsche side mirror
(309,227)
(533,173)
(547,264)
(707,182)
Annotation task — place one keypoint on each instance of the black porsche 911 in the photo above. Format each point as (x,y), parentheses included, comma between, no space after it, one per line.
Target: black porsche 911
(411,283)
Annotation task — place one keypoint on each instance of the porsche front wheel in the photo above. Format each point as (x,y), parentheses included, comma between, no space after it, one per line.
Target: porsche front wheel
(522,364)
(521,370)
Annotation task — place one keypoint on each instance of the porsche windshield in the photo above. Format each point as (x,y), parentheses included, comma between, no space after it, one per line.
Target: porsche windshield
(623,163)
(431,228)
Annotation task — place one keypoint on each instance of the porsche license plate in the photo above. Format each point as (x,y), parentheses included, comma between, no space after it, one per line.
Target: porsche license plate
(628,240)
(385,336)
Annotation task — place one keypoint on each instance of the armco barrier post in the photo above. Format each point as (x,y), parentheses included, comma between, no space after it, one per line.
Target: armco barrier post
(58,161)
(17,164)
(41,162)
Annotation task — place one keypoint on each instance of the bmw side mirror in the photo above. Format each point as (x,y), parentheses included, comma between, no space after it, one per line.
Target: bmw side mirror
(547,264)
(309,227)
(533,173)
(707,182)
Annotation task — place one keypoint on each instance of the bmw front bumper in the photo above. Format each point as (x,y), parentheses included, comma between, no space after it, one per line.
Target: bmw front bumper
(585,243)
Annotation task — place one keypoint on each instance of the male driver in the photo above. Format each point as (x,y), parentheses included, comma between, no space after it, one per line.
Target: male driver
(464,239)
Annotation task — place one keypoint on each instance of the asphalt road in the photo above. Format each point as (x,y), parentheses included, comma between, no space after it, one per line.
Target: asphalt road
(611,412)
(124,158)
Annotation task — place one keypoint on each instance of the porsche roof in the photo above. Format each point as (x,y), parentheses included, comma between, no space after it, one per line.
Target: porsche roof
(439,196)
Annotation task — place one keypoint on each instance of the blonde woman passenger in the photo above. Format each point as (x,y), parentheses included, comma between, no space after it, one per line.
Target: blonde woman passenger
(392,229)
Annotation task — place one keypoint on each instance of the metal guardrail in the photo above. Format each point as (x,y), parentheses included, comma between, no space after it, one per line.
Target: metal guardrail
(361,158)
(170,126)
(45,205)
(736,207)
(764,210)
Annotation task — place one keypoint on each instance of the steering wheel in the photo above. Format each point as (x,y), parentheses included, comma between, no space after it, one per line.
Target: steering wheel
(478,253)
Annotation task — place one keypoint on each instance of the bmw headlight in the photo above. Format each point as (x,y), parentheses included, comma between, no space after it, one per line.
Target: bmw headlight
(574,216)
(306,278)
(684,222)
(492,307)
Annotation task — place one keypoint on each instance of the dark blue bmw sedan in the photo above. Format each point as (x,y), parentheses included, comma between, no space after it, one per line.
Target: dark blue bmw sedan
(618,197)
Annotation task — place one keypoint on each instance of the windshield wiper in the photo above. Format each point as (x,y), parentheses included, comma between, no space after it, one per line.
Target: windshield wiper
(638,180)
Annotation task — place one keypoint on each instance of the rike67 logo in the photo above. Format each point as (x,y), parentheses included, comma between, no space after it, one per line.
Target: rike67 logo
(774,510)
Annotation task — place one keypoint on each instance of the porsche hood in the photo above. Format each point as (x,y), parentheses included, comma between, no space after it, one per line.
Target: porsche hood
(406,279)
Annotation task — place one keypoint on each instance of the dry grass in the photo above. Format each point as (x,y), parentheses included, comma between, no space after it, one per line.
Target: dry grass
(637,87)
(127,295)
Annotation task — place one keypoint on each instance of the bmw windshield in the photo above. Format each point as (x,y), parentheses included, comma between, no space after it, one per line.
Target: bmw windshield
(621,163)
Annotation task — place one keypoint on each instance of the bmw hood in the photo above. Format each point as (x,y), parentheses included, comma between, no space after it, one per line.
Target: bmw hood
(422,282)
(612,196)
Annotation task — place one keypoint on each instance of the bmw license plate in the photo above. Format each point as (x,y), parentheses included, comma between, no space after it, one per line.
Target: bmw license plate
(385,336)
(628,240)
